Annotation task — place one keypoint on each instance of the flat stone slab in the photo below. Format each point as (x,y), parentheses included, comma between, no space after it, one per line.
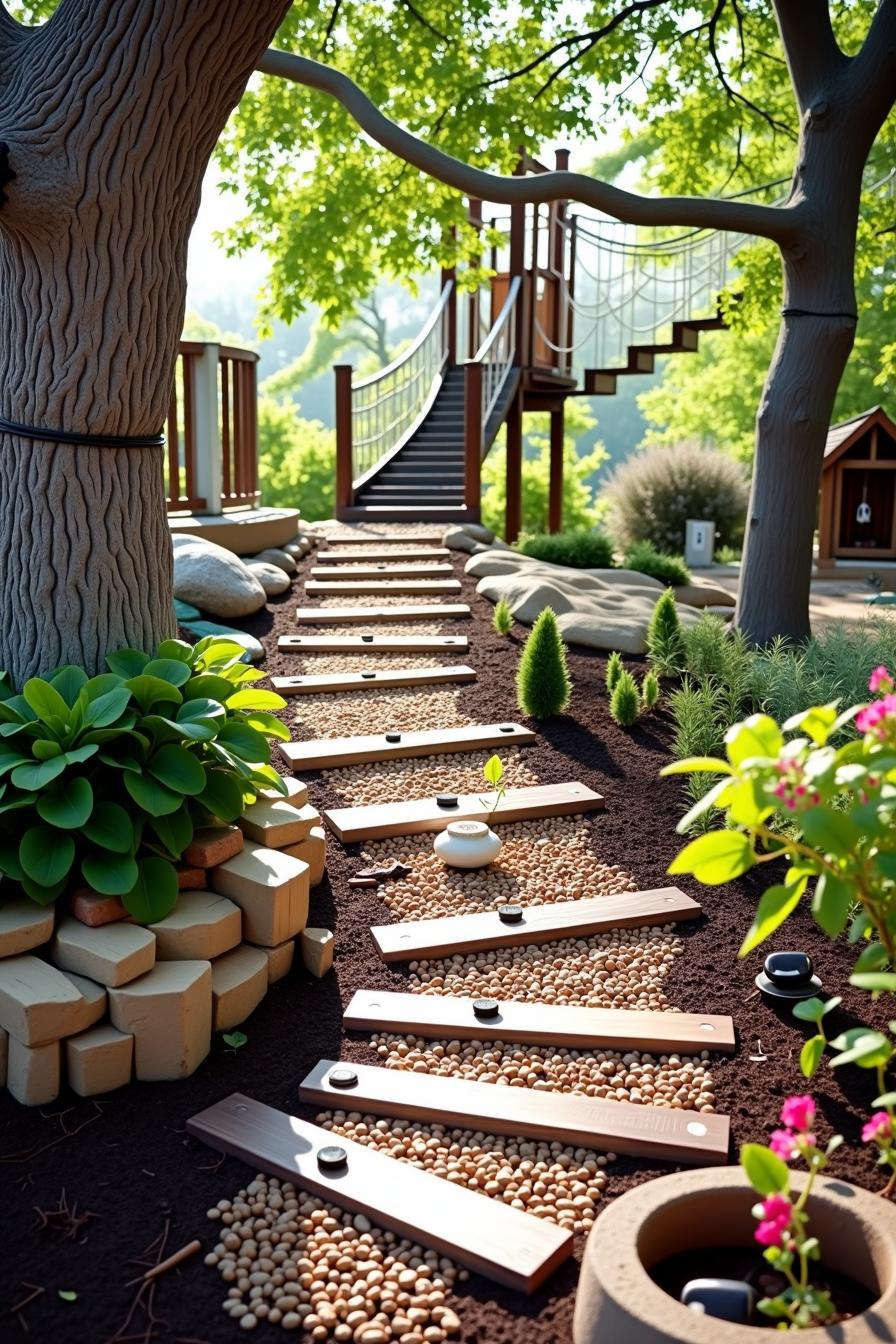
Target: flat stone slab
(239,983)
(278,822)
(33,1073)
(428,611)
(296,790)
(279,959)
(312,851)
(325,684)
(96,1000)
(99,1060)
(202,926)
(112,954)
(318,946)
(271,889)
(168,1011)
(38,1003)
(24,924)
(331,752)
(212,845)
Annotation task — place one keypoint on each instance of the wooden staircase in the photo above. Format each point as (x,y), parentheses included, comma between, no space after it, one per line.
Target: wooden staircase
(642,358)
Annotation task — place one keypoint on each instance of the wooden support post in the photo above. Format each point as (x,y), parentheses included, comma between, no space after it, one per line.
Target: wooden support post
(344,489)
(207,483)
(514,488)
(472,436)
(518,268)
(475,259)
(555,477)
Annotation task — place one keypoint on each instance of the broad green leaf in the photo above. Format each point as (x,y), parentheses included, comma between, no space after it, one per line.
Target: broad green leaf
(831,903)
(774,906)
(41,894)
(764,1170)
(148,691)
(154,893)
(81,754)
(110,874)
(235,1039)
(202,730)
(215,649)
(886,864)
(174,670)
(203,710)
(879,981)
(886,1099)
(222,795)
(110,828)
(43,749)
(39,775)
(747,803)
(46,702)
(809,1010)
(127,663)
(256,700)
(67,806)
(706,765)
(9,760)
(817,722)
(715,858)
(9,860)
(176,648)
(208,687)
(871,958)
(101,685)
(151,795)
(859,1045)
(758,736)
(493,770)
(832,832)
(244,741)
(810,1055)
(178,769)
(46,855)
(175,831)
(266,777)
(269,726)
(108,708)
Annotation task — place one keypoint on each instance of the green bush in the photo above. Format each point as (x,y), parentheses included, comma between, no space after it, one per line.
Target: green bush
(646,559)
(615,668)
(665,645)
(543,684)
(653,493)
(650,691)
(579,549)
(106,777)
(502,617)
(625,703)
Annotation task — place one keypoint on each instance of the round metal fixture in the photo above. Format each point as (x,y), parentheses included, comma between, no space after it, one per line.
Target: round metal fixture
(331,1158)
(510,914)
(486,1007)
(788,975)
(446,800)
(342,1078)
(393,737)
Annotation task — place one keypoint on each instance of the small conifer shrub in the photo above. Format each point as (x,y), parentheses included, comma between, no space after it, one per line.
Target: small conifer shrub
(650,691)
(625,702)
(615,668)
(502,619)
(543,684)
(665,645)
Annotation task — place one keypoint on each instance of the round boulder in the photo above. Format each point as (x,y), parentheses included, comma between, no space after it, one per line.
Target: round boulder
(273,556)
(215,580)
(271,577)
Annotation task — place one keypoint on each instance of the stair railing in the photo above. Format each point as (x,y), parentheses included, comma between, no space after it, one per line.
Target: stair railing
(377,415)
(487,379)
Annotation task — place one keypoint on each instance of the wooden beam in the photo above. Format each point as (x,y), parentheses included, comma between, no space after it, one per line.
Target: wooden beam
(370,643)
(343,588)
(488,1236)
(513,513)
(354,538)
(331,752)
(695,1138)
(438,1015)
(555,472)
(323,684)
(336,557)
(423,611)
(381,571)
(344,452)
(380,820)
(536,924)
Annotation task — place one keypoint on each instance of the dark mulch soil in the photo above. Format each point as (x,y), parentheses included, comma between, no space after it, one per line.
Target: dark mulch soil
(128,1161)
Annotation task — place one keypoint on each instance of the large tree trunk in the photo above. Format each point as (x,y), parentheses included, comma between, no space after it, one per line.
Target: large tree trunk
(111,112)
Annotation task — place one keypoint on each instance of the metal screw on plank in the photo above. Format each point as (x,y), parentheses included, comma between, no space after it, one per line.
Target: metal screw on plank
(368,676)
(510,914)
(505,727)
(367,639)
(331,1159)
(342,1078)
(486,1007)
(446,800)
(393,737)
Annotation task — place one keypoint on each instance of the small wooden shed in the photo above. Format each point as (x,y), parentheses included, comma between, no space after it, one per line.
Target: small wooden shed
(857,511)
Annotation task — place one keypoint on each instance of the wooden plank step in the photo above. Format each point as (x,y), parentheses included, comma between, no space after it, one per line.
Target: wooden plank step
(382,571)
(488,1236)
(403,554)
(332,752)
(421,611)
(439,1015)
(370,643)
(380,820)
(319,684)
(321,588)
(336,539)
(695,1138)
(536,924)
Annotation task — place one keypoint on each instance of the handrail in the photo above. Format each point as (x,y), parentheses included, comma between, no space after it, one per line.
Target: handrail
(500,322)
(496,357)
(412,349)
(211,461)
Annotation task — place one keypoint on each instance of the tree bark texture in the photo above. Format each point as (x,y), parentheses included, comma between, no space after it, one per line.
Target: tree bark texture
(111,111)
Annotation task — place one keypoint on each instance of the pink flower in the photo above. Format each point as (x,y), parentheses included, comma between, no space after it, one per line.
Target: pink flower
(783,1144)
(880,680)
(770,1234)
(798,1113)
(776,1212)
(879,1128)
(878,717)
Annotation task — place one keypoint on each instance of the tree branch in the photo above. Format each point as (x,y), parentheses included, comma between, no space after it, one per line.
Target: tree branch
(780,223)
(872,74)
(813,56)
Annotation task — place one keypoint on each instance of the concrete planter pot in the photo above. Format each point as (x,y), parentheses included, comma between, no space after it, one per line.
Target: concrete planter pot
(467,844)
(618,1301)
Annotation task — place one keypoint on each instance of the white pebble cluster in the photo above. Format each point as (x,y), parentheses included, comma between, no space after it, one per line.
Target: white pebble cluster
(425,776)
(548,860)
(411,599)
(295,1261)
(624,968)
(549,1180)
(405,709)
(676,1081)
(327,663)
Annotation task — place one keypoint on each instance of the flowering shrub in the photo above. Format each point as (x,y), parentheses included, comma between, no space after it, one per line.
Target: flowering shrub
(783,1220)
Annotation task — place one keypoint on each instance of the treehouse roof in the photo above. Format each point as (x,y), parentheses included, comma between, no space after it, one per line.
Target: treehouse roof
(842,437)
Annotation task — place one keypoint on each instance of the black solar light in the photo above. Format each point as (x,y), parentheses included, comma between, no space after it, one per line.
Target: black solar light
(788,975)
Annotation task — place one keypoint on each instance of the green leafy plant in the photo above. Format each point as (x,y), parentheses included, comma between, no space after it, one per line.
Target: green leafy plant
(665,645)
(625,702)
(783,1218)
(494,774)
(104,778)
(234,1039)
(502,617)
(644,557)
(650,690)
(615,668)
(543,684)
(578,548)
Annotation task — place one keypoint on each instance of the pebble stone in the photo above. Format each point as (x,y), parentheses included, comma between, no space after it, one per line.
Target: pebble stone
(404,708)
(422,776)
